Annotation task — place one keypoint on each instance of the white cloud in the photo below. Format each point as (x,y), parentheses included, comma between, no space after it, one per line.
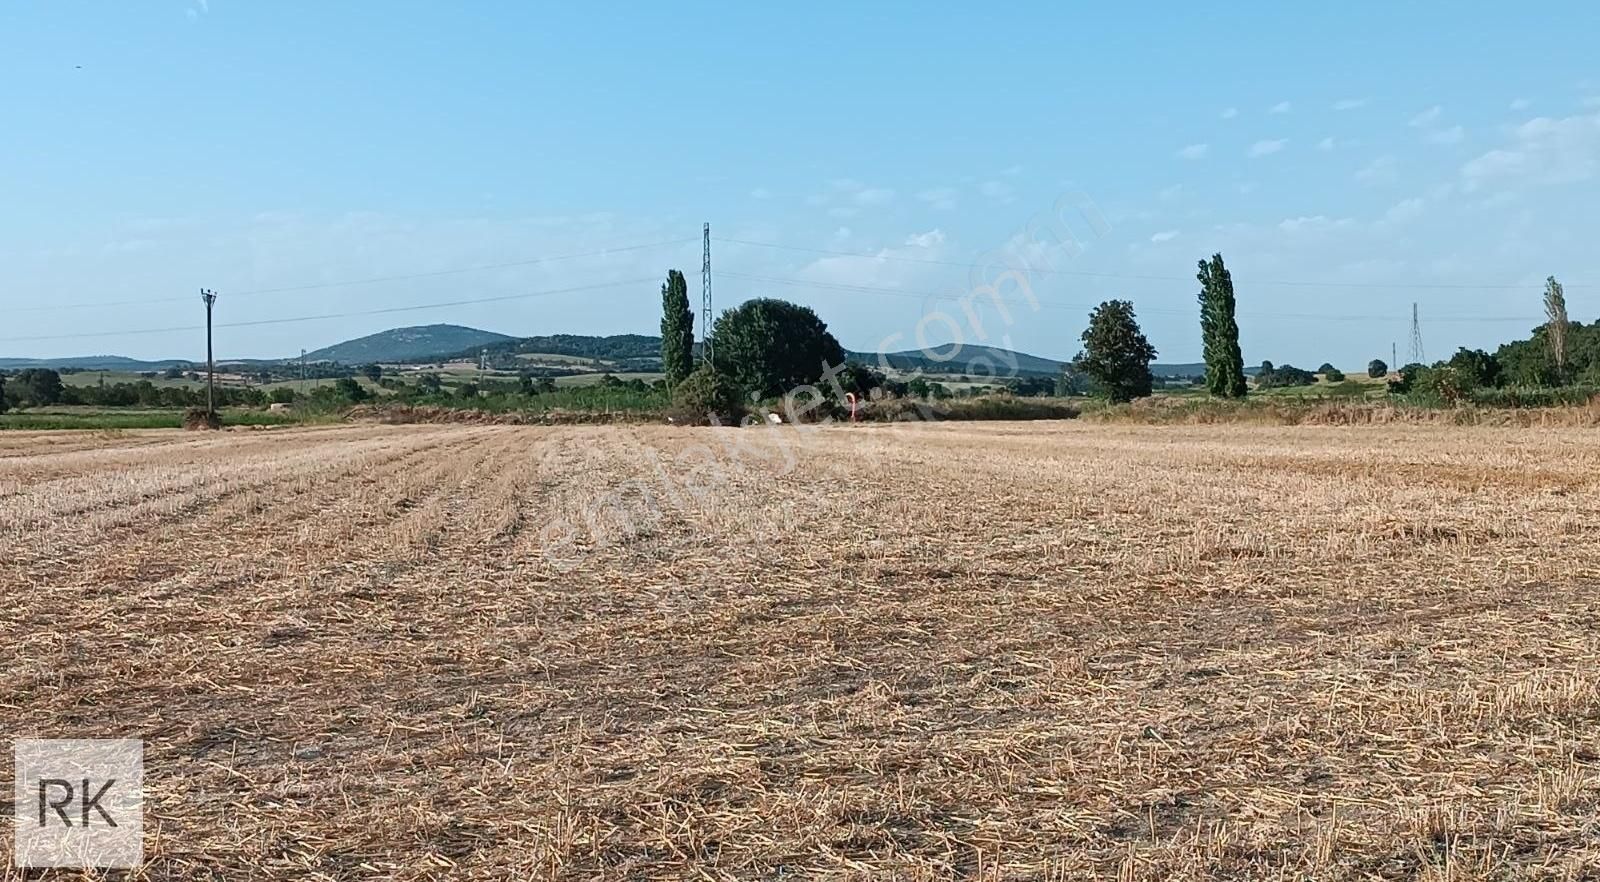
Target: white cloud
(996,190)
(874,196)
(1267,148)
(1229,113)
(1168,194)
(942,198)
(1452,135)
(1012,172)
(1327,144)
(1313,222)
(761,193)
(1350,104)
(1164,236)
(931,239)
(1427,117)
(1543,150)
(1379,171)
(843,233)
(1281,107)
(1194,151)
(1494,164)
(846,196)
(1404,210)
(1521,104)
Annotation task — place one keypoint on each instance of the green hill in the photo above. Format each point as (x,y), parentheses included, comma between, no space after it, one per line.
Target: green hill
(971,359)
(622,347)
(91,363)
(424,343)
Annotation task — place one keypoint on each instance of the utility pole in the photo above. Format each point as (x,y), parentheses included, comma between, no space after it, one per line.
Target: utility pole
(302,367)
(210,297)
(705,298)
(1394,356)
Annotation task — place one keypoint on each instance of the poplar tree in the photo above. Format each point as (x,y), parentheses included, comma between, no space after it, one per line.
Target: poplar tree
(1555,309)
(677,329)
(1219,331)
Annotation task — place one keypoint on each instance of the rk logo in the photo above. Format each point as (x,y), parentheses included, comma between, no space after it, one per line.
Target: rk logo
(79,803)
(45,784)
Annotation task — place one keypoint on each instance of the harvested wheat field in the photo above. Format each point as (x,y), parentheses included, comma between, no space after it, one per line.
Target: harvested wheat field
(977,651)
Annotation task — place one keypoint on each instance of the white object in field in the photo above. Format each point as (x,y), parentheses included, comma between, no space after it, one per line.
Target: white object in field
(774,419)
(277,407)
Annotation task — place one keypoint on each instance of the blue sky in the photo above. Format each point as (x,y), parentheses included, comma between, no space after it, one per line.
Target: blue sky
(1347,161)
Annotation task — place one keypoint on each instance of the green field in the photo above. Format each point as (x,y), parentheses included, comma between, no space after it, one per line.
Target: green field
(136,418)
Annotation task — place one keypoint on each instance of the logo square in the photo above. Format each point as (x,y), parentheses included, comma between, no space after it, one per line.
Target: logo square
(79,803)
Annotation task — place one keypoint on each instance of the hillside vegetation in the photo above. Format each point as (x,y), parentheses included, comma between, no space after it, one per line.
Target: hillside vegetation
(423,343)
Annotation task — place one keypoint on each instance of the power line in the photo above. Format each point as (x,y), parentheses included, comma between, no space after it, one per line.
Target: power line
(333,315)
(317,286)
(1142,278)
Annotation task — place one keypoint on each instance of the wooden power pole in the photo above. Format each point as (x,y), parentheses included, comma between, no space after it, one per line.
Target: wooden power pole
(210,297)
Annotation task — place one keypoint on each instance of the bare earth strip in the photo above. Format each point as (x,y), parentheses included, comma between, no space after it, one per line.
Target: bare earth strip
(981,651)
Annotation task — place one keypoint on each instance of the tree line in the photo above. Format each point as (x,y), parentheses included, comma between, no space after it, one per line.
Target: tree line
(1116,356)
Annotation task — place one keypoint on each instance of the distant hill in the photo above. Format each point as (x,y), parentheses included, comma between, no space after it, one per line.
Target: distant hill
(969,359)
(614,347)
(972,359)
(634,350)
(424,343)
(637,352)
(92,363)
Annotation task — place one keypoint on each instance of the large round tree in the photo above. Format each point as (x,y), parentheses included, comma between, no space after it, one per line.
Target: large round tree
(769,347)
(1115,352)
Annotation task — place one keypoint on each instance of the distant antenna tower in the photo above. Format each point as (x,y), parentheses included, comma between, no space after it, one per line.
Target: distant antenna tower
(705,297)
(1416,337)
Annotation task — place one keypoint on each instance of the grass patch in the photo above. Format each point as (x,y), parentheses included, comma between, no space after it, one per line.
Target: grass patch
(140,419)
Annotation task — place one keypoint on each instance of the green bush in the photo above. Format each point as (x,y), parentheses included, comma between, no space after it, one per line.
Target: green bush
(350,390)
(1402,383)
(1448,384)
(706,397)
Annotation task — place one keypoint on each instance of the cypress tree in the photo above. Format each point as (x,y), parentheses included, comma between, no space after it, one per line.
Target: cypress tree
(1219,331)
(677,329)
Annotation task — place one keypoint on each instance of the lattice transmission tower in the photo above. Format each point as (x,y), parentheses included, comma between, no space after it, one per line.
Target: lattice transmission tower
(705,297)
(1416,337)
